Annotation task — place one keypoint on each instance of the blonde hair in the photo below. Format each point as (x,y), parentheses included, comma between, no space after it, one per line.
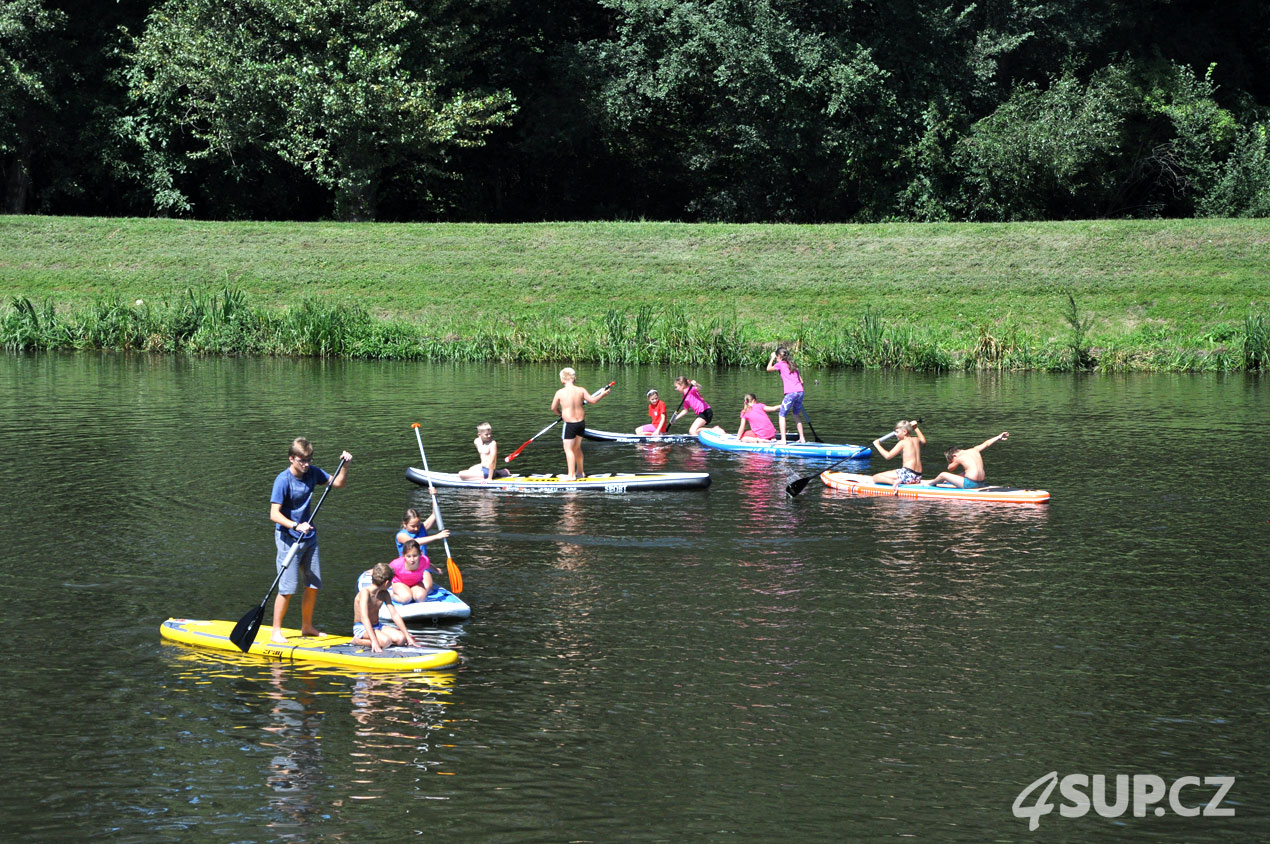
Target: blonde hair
(300,447)
(567,374)
(484,426)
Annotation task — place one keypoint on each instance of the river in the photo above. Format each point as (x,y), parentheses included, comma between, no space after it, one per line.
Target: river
(719,665)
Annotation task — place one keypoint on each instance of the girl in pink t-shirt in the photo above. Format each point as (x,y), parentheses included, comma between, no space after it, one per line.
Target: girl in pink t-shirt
(754,412)
(694,403)
(792,381)
(412,578)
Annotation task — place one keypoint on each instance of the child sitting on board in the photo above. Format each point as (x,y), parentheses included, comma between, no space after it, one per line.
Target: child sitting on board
(487,448)
(367,628)
(657,413)
(754,412)
(411,574)
(971,462)
(413,526)
(909,440)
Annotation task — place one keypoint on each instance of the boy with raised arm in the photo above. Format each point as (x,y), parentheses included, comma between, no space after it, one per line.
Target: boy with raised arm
(909,440)
(568,405)
(971,462)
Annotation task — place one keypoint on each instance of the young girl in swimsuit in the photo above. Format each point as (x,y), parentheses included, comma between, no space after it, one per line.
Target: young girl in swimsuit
(412,578)
(414,527)
(754,412)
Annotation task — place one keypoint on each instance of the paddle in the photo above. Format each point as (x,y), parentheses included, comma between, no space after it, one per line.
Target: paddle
(799,485)
(671,420)
(451,568)
(509,458)
(244,632)
(813,427)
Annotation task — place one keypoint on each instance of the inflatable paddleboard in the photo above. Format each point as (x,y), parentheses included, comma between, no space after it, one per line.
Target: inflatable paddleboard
(337,651)
(864,485)
(440,605)
(632,437)
(833,451)
(605,482)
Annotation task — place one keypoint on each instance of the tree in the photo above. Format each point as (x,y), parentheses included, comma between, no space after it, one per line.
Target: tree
(26,70)
(348,92)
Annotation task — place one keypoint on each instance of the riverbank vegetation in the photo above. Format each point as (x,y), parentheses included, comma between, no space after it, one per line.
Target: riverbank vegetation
(1164,295)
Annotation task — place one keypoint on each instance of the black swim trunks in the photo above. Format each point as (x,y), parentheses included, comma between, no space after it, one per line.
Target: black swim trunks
(573,430)
(707,414)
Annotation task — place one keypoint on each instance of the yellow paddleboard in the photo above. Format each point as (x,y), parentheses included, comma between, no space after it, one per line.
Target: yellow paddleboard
(338,651)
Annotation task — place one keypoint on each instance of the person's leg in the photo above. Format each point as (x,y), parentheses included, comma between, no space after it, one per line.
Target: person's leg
(401,593)
(280,605)
(950,479)
(577,457)
(570,458)
(307,603)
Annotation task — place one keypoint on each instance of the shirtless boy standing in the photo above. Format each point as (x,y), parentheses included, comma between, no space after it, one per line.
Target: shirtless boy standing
(971,462)
(568,405)
(487,448)
(910,442)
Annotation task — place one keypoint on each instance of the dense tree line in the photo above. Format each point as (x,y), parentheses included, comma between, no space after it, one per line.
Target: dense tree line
(771,110)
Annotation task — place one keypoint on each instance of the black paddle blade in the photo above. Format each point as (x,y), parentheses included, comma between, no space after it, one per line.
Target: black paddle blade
(245,630)
(799,485)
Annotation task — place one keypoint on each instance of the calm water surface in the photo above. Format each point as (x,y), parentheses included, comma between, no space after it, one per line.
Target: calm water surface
(726,665)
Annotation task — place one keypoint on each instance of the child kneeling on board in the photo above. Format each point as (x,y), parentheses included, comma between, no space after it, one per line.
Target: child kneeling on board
(367,628)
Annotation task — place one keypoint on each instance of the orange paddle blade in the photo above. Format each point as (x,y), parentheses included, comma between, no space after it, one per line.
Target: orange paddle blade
(456,578)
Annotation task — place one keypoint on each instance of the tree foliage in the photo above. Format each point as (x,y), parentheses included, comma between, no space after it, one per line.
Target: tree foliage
(344,91)
(815,110)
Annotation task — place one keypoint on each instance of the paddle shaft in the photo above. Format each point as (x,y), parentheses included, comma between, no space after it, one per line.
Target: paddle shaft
(799,485)
(244,632)
(509,458)
(452,569)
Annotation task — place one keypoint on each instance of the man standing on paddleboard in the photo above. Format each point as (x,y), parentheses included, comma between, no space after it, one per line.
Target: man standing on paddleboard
(289,511)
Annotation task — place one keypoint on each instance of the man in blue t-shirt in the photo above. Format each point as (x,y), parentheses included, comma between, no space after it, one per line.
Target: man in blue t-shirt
(289,511)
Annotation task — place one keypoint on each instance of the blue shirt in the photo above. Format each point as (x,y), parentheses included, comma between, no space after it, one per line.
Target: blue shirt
(293,496)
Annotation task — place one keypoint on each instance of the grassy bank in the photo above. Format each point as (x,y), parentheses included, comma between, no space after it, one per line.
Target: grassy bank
(1169,295)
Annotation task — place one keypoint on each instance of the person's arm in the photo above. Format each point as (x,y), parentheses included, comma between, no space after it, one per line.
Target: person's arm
(432,537)
(342,475)
(771,364)
(401,625)
(555,403)
(882,450)
(1004,435)
(741,430)
(593,399)
(921,438)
